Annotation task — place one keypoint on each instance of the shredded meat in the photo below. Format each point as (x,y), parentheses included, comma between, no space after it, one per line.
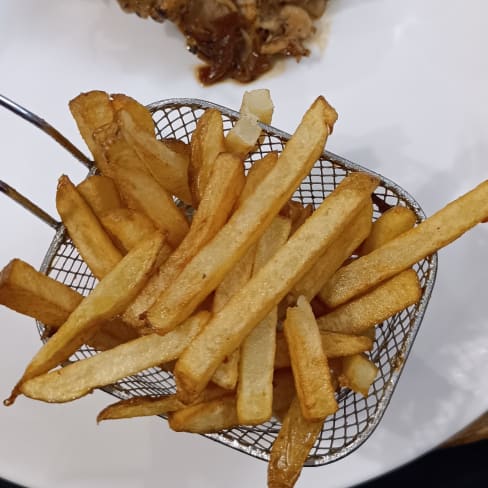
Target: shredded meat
(238,39)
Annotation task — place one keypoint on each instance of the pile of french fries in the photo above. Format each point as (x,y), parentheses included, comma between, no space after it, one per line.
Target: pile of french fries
(260,306)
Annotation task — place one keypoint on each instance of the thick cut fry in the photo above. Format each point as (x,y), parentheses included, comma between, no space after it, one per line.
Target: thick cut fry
(256,365)
(139,114)
(334,345)
(100,193)
(387,299)
(358,373)
(405,250)
(229,327)
(290,449)
(207,269)
(86,232)
(204,418)
(334,256)
(109,298)
(168,167)
(309,363)
(391,224)
(78,379)
(127,227)
(244,136)
(150,198)
(91,111)
(258,103)
(297,213)
(219,198)
(283,392)
(207,142)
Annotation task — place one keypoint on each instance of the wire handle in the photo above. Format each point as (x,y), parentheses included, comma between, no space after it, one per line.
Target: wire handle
(29,205)
(47,128)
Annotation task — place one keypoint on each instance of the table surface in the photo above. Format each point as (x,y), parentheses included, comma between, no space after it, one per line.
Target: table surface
(409,82)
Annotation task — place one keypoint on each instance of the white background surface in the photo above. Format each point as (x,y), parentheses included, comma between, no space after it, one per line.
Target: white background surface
(409,82)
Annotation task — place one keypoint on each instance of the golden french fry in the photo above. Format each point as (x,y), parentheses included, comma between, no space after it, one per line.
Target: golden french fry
(109,298)
(178,146)
(78,379)
(263,291)
(127,227)
(206,417)
(297,213)
(207,142)
(291,448)
(283,392)
(100,193)
(139,114)
(258,103)
(358,373)
(389,225)
(309,363)
(86,232)
(256,364)
(405,250)
(334,345)
(335,255)
(147,196)
(206,270)
(219,198)
(168,167)
(244,136)
(387,299)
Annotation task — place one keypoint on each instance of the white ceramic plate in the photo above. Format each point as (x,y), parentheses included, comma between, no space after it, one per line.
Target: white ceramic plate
(409,81)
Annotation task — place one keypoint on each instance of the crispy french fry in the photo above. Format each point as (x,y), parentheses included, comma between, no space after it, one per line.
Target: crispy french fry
(219,198)
(256,365)
(127,227)
(205,271)
(389,225)
(150,198)
(100,193)
(109,298)
(244,136)
(139,114)
(258,103)
(207,142)
(291,448)
(229,327)
(309,363)
(168,167)
(86,232)
(178,146)
(206,417)
(297,213)
(334,345)
(78,379)
(387,299)
(283,392)
(358,373)
(334,256)
(405,250)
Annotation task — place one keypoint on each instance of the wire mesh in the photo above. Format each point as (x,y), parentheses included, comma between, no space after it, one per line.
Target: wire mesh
(357,416)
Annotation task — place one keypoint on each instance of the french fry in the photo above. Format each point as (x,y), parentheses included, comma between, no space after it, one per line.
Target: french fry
(207,142)
(147,196)
(100,193)
(168,167)
(138,113)
(127,227)
(283,392)
(78,379)
(364,312)
(405,250)
(219,198)
(334,345)
(263,291)
(86,232)
(244,136)
(291,448)
(309,363)
(389,225)
(297,213)
(258,103)
(334,256)
(256,365)
(206,270)
(358,373)
(109,298)
(206,417)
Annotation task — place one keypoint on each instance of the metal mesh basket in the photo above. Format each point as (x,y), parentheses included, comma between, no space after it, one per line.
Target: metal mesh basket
(357,416)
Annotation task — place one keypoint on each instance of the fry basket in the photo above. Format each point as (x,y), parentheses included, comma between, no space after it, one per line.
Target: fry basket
(357,416)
